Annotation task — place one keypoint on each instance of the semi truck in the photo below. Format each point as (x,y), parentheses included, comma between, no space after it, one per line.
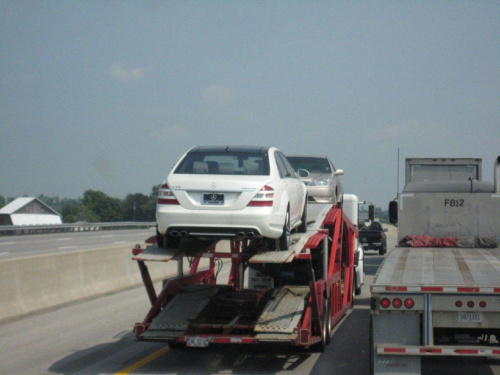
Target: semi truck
(292,297)
(437,293)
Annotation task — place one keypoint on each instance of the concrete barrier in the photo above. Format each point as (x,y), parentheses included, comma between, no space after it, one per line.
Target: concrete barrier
(33,284)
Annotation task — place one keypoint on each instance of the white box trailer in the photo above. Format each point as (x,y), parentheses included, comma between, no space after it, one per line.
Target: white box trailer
(438,292)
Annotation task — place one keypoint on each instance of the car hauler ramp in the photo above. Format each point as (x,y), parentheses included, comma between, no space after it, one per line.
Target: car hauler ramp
(310,289)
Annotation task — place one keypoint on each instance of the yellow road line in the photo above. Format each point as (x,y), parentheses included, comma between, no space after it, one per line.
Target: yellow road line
(142,362)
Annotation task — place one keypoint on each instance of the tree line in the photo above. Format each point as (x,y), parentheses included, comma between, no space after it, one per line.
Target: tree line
(98,207)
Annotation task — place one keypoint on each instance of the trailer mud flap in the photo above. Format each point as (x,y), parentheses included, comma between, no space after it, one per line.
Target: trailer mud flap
(395,328)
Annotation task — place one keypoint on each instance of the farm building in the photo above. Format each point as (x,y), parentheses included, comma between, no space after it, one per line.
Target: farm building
(28,211)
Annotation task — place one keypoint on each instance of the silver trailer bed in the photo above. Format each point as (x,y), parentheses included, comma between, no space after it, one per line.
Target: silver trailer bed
(449,268)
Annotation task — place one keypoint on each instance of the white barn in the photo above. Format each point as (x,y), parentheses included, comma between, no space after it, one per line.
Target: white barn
(28,211)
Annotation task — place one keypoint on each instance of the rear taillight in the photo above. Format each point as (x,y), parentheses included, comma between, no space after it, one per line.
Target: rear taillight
(264,198)
(409,303)
(397,303)
(385,303)
(165,195)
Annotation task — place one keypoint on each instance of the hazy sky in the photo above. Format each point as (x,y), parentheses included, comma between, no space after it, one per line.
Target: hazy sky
(107,95)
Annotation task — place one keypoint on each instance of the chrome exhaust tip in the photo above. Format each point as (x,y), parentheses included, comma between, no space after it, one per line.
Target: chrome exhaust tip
(174,233)
(183,233)
(250,234)
(240,234)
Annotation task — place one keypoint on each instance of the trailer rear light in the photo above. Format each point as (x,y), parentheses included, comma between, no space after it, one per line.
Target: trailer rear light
(137,250)
(470,304)
(165,195)
(397,303)
(304,336)
(385,303)
(482,304)
(458,304)
(264,198)
(409,303)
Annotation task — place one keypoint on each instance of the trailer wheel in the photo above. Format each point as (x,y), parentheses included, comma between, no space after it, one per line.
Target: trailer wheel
(329,322)
(372,355)
(356,287)
(325,332)
(382,250)
(174,345)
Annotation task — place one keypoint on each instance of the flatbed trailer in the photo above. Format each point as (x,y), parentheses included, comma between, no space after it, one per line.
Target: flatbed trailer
(438,292)
(423,297)
(292,297)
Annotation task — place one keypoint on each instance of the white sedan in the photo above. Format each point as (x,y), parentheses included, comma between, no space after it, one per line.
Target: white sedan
(231,193)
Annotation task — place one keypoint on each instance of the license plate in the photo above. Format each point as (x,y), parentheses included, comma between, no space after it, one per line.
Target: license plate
(470,317)
(197,342)
(213,198)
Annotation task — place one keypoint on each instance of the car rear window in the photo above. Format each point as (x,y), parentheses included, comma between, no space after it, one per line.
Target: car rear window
(310,164)
(224,163)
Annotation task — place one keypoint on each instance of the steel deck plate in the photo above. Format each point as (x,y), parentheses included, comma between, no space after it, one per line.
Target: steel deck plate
(316,213)
(157,254)
(184,308)
(283,311)
(459,267)
(273,257)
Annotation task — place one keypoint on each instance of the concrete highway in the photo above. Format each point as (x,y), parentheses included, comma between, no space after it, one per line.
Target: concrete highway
(37,244)
(95,337)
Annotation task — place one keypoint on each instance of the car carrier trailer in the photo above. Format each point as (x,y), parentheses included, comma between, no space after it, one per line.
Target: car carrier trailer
(438,292)
(292,297)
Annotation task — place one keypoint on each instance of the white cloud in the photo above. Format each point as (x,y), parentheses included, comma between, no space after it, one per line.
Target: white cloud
(126,75)
(217,94)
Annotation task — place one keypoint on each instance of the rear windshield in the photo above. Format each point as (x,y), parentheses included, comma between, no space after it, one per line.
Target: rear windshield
(318,165)
(224,163)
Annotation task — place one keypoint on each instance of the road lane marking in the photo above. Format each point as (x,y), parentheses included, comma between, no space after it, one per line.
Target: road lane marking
(67,247)
(7,243)
(4,253)
(144,361)
(63,239)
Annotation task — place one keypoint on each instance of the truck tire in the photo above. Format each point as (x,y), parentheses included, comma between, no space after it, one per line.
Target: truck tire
(174,345)
(382,250)
(372,355)
(357,289)
(329,322)
(325,332)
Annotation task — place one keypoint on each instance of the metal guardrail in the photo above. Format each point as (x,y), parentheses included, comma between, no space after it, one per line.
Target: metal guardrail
(6,230)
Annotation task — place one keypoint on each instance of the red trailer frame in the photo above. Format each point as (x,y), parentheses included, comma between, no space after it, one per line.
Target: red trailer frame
(327,250)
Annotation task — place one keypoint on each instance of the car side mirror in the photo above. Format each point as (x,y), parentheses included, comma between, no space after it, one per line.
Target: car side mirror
(303,173)
(339,172)
(393,212)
